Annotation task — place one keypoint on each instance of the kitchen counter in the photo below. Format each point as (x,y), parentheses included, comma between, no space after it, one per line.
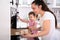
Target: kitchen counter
(17,31)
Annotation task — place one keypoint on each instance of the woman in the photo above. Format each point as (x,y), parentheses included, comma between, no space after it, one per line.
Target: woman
(47,21)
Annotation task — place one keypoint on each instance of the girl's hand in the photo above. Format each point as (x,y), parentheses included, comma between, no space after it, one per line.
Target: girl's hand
(18,17)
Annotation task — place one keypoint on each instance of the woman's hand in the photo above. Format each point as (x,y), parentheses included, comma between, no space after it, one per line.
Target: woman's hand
(27,35)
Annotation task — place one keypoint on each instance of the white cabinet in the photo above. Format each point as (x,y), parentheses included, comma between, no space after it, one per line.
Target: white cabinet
(56,3)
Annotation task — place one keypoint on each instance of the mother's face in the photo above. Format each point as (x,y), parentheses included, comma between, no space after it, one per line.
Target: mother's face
(35,8)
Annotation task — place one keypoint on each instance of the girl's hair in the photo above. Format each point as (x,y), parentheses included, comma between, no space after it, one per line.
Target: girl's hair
(45,8)
(32,13)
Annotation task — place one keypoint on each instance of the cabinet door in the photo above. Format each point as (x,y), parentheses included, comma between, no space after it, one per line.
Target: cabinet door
(57,13)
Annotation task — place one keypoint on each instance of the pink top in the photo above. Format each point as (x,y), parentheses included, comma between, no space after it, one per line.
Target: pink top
(31,24)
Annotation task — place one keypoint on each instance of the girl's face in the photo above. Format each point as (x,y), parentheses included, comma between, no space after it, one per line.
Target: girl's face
(36,8)
(31,17)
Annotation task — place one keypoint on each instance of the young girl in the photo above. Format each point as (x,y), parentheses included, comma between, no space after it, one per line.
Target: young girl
(32,24)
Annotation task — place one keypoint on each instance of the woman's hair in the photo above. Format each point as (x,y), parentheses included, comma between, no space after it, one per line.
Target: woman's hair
(32,13)
(45,8)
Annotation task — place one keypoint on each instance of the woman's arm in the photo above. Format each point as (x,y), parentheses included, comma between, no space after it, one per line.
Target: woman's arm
(45,31)
(23,20)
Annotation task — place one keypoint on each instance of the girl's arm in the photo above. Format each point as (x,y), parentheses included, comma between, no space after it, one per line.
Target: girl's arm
(23,20)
